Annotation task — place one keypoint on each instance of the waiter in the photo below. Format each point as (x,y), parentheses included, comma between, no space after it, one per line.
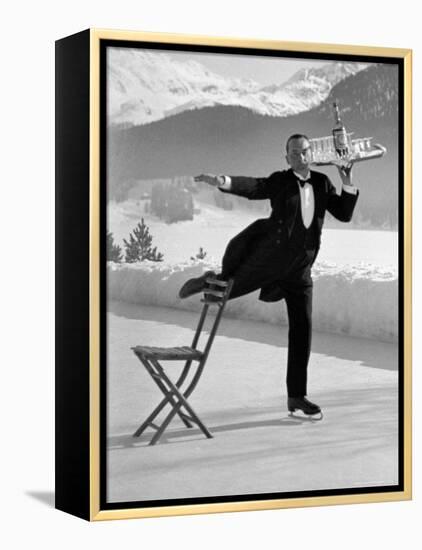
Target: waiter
(276,254)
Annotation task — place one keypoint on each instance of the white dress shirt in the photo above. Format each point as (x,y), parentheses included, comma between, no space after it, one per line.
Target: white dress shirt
(307,200)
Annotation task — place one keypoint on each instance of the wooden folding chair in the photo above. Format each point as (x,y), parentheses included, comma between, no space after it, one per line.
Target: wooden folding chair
(176,394)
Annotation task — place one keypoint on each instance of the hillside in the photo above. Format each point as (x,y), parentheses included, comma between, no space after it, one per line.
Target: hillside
(234,140)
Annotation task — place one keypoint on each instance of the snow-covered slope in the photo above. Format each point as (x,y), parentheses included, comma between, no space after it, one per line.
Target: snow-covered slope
(365,304)
(145,86)
(213,227)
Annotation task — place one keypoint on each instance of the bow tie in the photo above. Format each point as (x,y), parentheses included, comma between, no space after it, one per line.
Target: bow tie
(302,182)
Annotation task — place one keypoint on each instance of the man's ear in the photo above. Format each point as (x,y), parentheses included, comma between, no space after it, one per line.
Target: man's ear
(287,159)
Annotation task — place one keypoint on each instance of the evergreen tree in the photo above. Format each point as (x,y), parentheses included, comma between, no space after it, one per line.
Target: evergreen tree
(132,253)
(139,246)
(114,251)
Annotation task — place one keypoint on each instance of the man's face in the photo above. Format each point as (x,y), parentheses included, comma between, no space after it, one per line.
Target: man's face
(299,154)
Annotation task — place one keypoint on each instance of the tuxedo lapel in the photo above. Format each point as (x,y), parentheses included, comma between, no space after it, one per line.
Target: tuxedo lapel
(318,198)
(292,201)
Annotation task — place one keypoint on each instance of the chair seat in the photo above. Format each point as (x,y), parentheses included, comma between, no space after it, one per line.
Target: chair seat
(183,353)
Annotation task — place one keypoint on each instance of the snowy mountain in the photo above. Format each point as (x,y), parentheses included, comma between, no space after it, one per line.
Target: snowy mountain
(145,86)
(310,87)
(235,140)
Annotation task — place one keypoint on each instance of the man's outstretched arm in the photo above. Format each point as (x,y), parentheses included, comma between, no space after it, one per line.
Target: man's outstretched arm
(215,181)
(248,187)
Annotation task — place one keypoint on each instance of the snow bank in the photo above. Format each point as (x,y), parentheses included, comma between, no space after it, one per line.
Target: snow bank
(358,300)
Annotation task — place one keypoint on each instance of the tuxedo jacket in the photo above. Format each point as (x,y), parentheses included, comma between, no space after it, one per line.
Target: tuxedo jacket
(282,189)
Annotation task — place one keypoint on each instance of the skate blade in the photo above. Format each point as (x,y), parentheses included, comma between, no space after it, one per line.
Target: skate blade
(313,417)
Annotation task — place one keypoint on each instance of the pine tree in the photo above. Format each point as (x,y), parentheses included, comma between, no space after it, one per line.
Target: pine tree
(114,251)
(131,250)
(139,247)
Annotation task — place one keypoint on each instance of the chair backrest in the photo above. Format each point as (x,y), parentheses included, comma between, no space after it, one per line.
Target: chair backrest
(215,294)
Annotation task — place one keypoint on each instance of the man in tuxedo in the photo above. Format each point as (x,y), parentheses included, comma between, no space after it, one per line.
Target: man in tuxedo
(276,254)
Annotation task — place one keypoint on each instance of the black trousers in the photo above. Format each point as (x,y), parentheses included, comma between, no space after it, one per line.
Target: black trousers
(291,270)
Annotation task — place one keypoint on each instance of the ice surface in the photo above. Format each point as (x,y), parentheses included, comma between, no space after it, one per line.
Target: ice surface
(241,397)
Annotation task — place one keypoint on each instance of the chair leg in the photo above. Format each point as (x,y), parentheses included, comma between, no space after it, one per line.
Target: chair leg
(156,376)
(172,396)
(165,423)
(167,400)
(171,415)
(182,402)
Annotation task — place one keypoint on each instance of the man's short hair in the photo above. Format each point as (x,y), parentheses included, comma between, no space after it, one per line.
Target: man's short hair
(295,136)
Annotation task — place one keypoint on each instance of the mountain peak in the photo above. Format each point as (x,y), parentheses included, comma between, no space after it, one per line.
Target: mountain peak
(148,85)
